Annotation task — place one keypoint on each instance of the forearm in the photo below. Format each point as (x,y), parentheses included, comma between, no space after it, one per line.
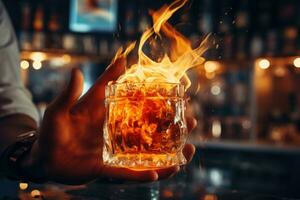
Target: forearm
(13,125)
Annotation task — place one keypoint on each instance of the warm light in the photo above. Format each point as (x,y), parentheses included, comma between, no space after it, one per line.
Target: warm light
(35,193)
(297,62)
(215,90)
(38,56)
(246,124)
(264,64)
(66,58)
(210,197)
(37,65)
(60,61)
(23,186)
(216,128)
(280,71)
(211,66)
(210,75)
(24,64)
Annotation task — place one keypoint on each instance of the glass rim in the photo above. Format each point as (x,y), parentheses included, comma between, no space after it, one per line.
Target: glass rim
(144,83)
(176,89)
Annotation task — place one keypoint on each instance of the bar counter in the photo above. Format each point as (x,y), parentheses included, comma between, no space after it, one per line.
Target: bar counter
(216,173)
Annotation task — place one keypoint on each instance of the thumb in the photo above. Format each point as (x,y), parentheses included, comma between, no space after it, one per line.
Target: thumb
(96,93)
(72,92)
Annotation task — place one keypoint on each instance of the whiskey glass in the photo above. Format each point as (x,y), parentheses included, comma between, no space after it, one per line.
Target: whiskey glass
(145,126)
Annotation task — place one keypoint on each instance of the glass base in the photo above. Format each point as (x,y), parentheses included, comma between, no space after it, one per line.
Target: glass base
(143,161)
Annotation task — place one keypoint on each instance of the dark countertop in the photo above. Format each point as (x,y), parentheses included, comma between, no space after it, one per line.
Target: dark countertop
(215,174)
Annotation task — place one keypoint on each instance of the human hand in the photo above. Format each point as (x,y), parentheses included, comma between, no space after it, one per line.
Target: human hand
(70,143)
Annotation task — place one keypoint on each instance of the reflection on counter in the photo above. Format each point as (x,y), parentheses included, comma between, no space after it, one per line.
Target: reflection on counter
(216,173)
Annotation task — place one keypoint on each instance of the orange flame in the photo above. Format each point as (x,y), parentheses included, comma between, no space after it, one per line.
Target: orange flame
(178,56)
(146,107)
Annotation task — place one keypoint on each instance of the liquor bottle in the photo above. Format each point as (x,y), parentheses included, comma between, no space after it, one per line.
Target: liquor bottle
(272,43)
(115,45)
(25,36)
(89,46)
(240,89)
(54,39)
(205,23)
(241,46)
(38,23)
(228,46)
(69,43)
(103,48)
(242,15)
(290,37)
(129,24)
(26,15)
(53,24)
(38,40)
(205,18)
(256,46)
(264,17)
(144,23)
(286,13)
(225,22)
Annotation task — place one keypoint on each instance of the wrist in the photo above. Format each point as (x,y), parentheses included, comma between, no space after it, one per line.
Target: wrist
(19,163)
(31,166)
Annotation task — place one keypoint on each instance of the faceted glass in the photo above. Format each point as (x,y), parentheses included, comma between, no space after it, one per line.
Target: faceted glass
(145,127)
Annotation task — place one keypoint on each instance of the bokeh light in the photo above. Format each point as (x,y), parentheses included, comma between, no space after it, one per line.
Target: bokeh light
(23,186)
(297,62)
(24,64)
(264,64)
(37,65)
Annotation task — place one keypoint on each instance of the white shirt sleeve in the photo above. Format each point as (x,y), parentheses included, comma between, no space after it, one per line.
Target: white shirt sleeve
(14,98)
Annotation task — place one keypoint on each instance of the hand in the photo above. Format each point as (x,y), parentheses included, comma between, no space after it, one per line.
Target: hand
(69,147)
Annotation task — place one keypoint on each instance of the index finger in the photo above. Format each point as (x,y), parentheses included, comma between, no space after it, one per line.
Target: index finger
(94,97)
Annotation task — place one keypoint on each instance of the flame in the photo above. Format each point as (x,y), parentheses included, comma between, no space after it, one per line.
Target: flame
(178,55)
(146,104)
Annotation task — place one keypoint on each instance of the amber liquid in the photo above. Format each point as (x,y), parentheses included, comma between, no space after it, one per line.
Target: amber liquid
(144,132)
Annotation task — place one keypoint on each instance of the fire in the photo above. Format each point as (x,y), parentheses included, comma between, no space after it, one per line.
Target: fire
(177,57)
(146,104)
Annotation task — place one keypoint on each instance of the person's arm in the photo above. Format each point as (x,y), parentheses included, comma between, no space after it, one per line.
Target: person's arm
(13,125)
(17,112)
(18,115)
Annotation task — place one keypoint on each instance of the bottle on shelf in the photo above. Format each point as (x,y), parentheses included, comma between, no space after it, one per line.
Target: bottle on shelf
(144,23)
(54,38)
(241,46)
(228,46)
(272,43)
(256,46)
(38,39)
(129,23)
(290,37)
(25,37)
(89,44)
(242,15)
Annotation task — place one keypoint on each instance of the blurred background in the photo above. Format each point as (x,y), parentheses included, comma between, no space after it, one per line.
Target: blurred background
(247,89)
(246,96)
